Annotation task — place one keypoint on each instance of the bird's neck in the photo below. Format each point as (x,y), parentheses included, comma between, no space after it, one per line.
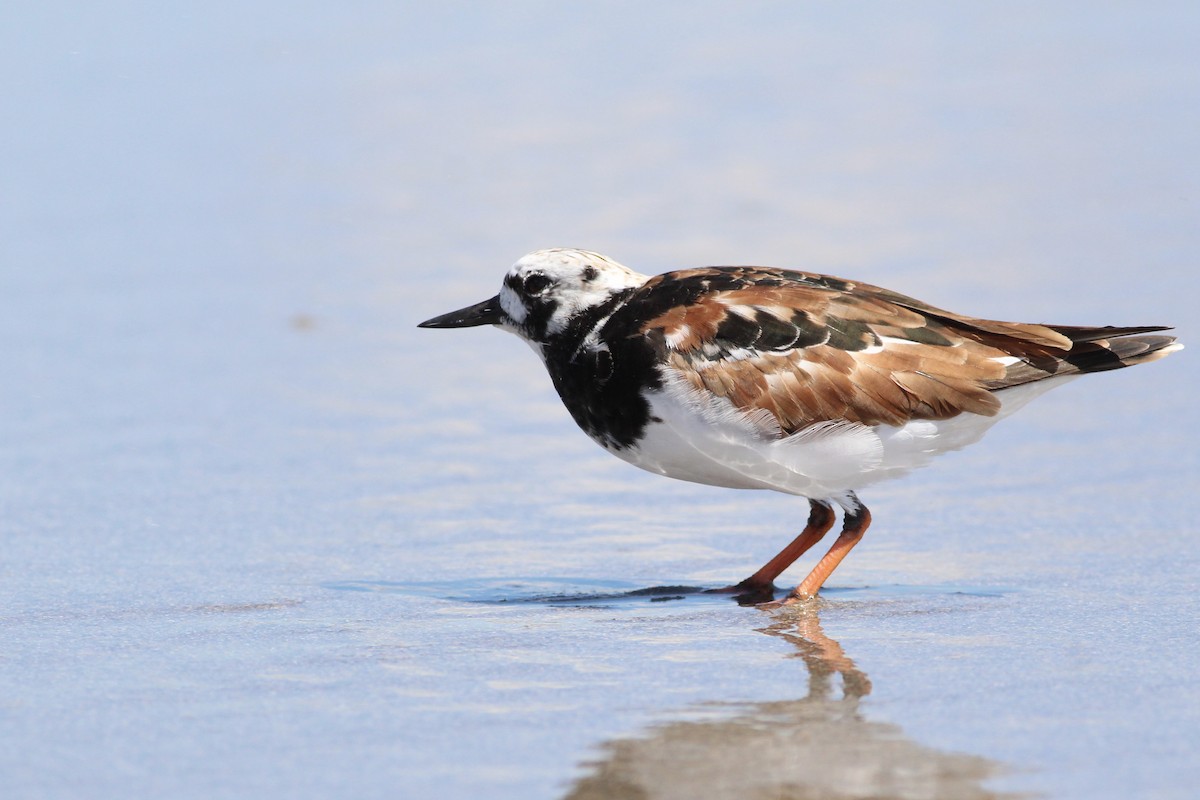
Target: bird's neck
(581,332)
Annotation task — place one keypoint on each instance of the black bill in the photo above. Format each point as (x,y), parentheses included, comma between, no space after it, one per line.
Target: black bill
(486,313)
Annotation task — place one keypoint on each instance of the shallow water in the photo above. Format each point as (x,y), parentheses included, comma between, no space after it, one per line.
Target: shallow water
(263,537)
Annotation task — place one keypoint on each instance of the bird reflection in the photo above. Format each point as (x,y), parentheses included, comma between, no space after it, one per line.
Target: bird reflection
(816,747)
(823,657)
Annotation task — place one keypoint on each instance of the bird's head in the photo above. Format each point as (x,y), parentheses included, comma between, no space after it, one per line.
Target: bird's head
(544,292)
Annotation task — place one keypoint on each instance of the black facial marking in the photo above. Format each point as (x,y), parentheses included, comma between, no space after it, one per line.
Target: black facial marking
(589,274)
(535,283)
(537,317)
(539,307)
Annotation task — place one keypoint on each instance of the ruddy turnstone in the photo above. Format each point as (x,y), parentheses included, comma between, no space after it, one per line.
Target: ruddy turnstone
(762,378)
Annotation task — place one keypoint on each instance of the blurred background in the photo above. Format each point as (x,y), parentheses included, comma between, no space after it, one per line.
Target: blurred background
(262,535)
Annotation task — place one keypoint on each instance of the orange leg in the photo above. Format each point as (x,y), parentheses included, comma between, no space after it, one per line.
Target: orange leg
(820,520)
(762,583)
(854,527)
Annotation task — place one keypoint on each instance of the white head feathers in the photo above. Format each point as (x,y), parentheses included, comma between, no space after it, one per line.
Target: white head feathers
(545,289)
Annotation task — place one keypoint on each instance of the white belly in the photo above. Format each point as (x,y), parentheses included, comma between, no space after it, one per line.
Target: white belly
(705,439)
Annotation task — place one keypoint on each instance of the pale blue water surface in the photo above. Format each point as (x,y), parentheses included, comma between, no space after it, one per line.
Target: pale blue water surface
(262,537)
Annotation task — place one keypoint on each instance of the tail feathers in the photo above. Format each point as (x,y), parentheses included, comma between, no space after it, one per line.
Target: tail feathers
(1098,355)
(1094,350)
(1078,333)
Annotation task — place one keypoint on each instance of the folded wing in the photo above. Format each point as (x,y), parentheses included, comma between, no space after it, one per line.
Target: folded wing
(810,348)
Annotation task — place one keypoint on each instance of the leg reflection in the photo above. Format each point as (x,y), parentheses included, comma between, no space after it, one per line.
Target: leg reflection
(819,746)
(823,657)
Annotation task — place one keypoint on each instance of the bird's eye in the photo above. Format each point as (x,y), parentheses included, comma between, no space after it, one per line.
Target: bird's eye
(535,283)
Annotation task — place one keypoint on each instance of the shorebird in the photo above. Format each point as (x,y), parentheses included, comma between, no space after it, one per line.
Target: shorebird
(764,378)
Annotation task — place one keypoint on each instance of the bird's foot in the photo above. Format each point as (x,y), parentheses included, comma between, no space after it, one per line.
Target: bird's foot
(748,592)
